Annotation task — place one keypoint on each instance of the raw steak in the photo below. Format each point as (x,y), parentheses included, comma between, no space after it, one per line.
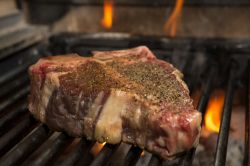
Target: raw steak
(127,95)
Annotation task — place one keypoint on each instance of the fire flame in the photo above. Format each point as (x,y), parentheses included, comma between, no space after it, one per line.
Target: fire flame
(214,110)
(97,148)
(107,19)
(171,24)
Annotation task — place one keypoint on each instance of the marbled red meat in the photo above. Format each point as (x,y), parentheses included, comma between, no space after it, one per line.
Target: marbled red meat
(127,95)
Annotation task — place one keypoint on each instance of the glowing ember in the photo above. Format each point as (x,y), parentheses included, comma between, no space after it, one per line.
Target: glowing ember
(107,19)
(171,24)
(97,148)
(214,110)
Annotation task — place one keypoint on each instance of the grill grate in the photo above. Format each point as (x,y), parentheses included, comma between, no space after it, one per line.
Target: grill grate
(247,120)
(205,64)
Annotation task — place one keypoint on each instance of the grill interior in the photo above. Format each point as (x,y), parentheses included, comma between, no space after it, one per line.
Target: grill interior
(206,63)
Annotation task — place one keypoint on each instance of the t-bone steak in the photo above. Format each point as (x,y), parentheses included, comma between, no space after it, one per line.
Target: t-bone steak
(125,95)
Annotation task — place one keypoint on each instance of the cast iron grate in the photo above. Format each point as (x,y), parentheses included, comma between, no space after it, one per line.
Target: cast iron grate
(206,65)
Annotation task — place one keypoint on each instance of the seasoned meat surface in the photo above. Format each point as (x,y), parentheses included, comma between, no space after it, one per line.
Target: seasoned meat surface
(126,95)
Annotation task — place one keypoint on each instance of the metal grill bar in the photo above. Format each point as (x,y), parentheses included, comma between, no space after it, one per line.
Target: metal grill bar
(144,159)
(189,80)
(13,73)
(12,114)
(221,149)
(26,146)
(188,158)
(86,157)
(23,92)
(102,157)
(74,156)
(15,132)
(118,157)
(14,84)
(43,155)
(247,120)
(205,97)
(132,156)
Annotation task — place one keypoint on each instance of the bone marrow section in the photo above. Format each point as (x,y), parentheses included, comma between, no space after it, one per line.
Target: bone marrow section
(116,96)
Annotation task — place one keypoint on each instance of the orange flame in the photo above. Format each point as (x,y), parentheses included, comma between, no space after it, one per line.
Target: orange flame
(214,110)
(97,148)
(171,24)
(142,153)
(107,19)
